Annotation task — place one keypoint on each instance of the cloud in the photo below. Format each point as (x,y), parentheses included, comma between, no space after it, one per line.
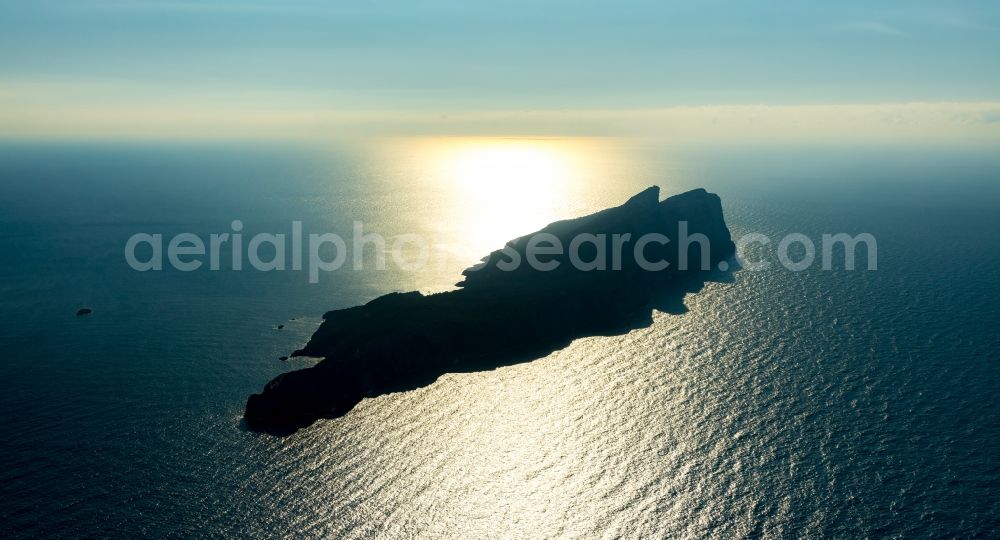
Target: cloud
(181,5)
(108,109)
(991,117)
(938,18)
(869,27)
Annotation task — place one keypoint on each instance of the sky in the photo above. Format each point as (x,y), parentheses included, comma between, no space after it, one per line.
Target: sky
(106,68)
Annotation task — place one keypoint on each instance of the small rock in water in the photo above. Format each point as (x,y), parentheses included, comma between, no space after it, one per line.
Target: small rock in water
(84,311)
(283,358)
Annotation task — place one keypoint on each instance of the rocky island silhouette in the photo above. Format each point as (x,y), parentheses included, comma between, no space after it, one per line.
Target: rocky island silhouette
(506,310)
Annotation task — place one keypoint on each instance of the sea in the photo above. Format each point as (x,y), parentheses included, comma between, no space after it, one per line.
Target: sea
(777,403)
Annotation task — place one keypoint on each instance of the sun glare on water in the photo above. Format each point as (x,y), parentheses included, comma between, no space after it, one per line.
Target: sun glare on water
(508,169)
(485,191)
(503,188)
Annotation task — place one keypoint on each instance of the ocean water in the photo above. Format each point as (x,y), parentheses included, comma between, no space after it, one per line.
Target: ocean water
(779,404)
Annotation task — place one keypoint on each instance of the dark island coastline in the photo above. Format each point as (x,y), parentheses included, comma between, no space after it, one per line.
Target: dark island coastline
(501,316)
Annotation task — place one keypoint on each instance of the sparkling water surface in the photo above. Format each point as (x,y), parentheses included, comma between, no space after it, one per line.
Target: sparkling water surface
(780,404)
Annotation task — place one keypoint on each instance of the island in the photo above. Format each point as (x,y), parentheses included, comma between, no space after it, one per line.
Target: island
(521,302)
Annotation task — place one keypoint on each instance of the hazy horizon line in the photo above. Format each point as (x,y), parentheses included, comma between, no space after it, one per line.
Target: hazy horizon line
(28,117)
